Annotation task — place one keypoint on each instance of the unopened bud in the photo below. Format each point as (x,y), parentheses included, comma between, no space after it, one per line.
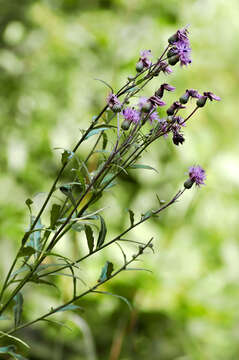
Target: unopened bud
(170,119)
(173,39)
(188,183)
(130,77)
(125,124)
(116,108)
(173,59)
(201,101)
(139,66)
(170,111)
(184,98)
(146,107)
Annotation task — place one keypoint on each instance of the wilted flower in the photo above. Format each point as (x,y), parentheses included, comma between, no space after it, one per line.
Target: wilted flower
(156,101)
(144,61)
(177,138)
(207,95)
(163,65)
(163,87)
(189,93)
(114,102)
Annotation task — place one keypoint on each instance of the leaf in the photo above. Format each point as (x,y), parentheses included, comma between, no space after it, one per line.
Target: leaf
(19,271)
(35,237)
(104,82)
(106,271)
(148,214)
(105,141)
(78,227)
(70,307)
(95,197)
(102,233)
(131,217)
(141,166)
(89,237)
(115,295)
(17,309)
(55,214)
(96,131)
(26,251)
(66,156)
(14,338)
(3,317)
(59,323)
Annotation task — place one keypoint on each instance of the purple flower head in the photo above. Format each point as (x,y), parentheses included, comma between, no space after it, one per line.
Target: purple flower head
(183,50)
(144,58)
(156,101)
(180,35)
(154,117)
(163,65)
(175,106)
(113,100)
(163,87)
(197,175)
(131,115)
(142,102)
(211,96)
(193,93)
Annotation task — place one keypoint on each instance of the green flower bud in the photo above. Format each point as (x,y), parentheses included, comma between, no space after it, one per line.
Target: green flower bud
(173,59)
(201,101)
(188,183)
(116,108)
(184,98)
(139,66)
(130,77)
(146,107)
(173,39)
(125,124)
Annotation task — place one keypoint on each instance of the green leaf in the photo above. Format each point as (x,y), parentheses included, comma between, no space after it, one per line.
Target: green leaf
(55,214)
(102,233)
(106,271)
(70,307)
(97,131)
(78,227)
(3,317)
(27,251)
(17,309)
(89,237)
(95,197)
(7,349)
(148,214)
(105,141)
(59,323)
(131,217)
(141,166)
(115,295)
(104,82)
(66,156)
(35,237)
(14,338)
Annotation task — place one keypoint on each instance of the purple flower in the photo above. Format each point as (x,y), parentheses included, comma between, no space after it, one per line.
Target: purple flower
(131,115)
(144,58)
(211,96)
(189,93)
(163,65)
(163,87)
(156,101)
(113,101)
(175,106)
(154,117)
(180,35)
(197,175)
(182,49)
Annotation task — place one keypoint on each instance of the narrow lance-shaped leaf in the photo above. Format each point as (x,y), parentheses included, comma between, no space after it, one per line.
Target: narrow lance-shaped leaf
(105,140)
(26,251)
(141,166)
(106,271)
(96,131)
(102,233)
(35,237)
(70,307)
(131,217)
(17,309)
(55,214)
(89,237)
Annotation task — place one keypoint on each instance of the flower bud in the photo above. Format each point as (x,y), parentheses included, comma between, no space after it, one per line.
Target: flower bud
(125,124)
(184,98)
(170,111)
(139,66)
(171,52)
(116,108)
(201,101)
(188,183)
(130,77)
(173,59)
(172,39)
(146,107)
(170,119)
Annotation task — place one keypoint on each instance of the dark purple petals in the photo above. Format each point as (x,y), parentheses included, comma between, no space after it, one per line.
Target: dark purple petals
(144,60)
(163,87)
(156,101)
(211,96)
(189,93)
(163,65)
(175,106)
(178,138)
(114,102)
(131,115)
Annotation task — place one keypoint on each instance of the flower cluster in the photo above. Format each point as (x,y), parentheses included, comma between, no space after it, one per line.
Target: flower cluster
(180,50)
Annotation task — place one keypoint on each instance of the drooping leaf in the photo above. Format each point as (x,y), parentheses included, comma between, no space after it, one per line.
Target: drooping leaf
(26,251)
(115,295)
(141,166)
(70,307)
(78,227)
(17,309)
(104,82)
(89,237)
(102,233)
(131,217)
(55,214)
(14,338)
(58,323)
(106,271)
(97,130)
(66,156)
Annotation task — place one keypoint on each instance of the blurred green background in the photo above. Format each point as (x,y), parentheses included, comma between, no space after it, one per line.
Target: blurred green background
(51,51)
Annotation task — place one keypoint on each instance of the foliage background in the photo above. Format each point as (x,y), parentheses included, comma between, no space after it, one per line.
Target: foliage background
(50,53)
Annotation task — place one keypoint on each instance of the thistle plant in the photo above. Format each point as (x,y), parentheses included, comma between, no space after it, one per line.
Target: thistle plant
(126,126)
